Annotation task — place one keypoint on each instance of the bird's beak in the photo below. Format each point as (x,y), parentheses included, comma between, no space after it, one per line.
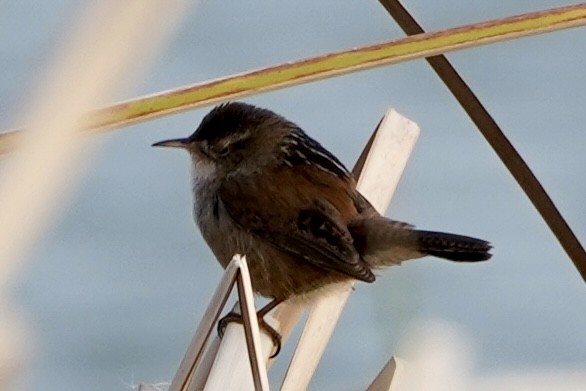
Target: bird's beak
(175,143)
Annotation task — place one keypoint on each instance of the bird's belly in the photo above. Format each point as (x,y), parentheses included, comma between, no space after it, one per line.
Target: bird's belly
(274,273)
(277,274)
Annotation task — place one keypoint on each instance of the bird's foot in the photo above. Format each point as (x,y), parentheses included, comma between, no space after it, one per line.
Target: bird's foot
(262,324)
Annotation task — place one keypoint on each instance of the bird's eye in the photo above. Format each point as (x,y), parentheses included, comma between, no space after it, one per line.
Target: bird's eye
(223,151)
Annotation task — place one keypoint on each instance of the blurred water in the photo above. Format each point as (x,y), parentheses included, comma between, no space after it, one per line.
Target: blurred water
(116,288)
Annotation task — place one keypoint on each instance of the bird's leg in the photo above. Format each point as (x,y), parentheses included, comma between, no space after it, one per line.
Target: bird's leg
(260,314)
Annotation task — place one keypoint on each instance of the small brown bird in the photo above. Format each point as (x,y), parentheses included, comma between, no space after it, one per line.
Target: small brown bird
(265,189)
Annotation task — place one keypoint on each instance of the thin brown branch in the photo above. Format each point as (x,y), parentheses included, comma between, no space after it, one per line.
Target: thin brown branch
(498,141)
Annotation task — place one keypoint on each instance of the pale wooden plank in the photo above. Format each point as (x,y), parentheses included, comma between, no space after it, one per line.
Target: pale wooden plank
(384,380)
(195,351)
(383,167)
(231,369)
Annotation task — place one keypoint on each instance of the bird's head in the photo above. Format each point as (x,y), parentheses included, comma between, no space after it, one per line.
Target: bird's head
(235,138)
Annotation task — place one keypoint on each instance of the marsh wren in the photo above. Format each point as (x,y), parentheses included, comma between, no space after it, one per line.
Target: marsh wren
(265,189)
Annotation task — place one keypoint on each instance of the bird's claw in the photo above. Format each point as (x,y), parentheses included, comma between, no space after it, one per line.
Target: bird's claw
(262,324)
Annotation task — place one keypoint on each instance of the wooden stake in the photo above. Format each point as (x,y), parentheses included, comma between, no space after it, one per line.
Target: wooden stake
(391,147)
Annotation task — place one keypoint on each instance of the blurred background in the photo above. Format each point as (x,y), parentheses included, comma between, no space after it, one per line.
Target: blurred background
(116,287)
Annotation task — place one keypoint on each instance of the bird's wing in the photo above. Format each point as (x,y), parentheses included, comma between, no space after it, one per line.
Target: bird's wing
(296,219)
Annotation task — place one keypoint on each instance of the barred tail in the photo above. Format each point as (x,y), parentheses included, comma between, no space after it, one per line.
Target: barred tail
(453,247)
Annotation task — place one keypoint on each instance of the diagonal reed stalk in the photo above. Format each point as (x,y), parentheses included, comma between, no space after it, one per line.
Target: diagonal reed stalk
(325,66)
(498,141)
